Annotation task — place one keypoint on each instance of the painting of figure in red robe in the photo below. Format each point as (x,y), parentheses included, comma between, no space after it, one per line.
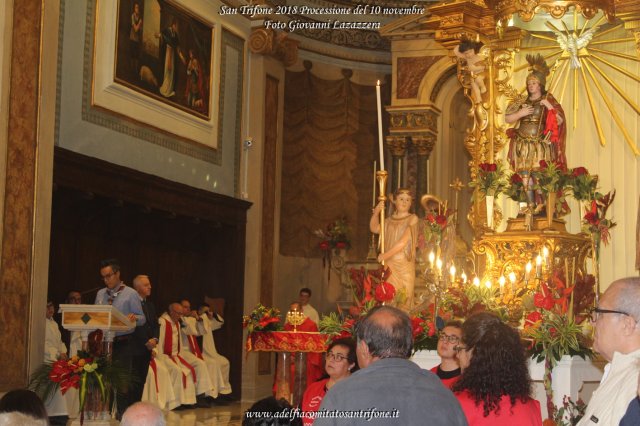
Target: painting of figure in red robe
(164,51)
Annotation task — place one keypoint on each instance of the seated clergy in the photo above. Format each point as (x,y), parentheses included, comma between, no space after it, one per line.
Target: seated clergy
(159,388)
(190,331)
(183,375)
(210,322)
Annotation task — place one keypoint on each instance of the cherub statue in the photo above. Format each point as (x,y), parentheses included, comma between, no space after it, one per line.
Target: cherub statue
(469,50)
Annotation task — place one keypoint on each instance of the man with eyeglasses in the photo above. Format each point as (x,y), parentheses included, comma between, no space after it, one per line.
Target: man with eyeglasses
(617,339)
(389,389)
(126,300)
(449,369)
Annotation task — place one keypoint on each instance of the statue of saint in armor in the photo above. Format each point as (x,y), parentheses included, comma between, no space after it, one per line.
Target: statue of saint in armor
(539,132)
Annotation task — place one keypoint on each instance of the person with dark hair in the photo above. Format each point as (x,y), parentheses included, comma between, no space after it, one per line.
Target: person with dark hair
(311,312)
(617,339)
(495,386)
(271,412)
(449,369)
(340,361)
(127,301)
(23,401)
(389,389)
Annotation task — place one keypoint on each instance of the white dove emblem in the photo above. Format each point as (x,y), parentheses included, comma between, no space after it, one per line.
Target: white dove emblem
(572,44)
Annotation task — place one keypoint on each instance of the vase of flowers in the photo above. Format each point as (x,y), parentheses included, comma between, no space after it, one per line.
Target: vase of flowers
(555,327)
(262,319)
(92,372)
(490,181)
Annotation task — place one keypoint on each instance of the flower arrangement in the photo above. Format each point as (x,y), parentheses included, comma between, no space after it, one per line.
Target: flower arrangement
(89,372)
(262,319)
(571,412)
(334,236)
(552,328)
(433,228)
(595,221)
(491,179)
(550,177)
(582,184)
(516,189)
(424,332)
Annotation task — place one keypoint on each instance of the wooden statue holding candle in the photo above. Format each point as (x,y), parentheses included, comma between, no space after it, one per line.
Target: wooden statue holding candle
(400,239)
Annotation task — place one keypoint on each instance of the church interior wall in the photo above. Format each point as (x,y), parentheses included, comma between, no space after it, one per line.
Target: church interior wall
(118,138)
(306,270)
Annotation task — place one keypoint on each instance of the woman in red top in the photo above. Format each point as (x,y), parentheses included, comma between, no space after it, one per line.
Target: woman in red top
(340,362)
(495,386)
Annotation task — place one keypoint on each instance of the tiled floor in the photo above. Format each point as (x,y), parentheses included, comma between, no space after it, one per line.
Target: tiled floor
(228,415)
(223,415)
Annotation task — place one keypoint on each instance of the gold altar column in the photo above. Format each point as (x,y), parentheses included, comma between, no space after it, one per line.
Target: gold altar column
(27,123)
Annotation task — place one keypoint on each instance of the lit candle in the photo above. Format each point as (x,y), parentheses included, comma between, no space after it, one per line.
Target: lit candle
(527,269)
(476,282)
(538,266)
(452,271)
(432,258)
(464,277)
(501,281)
(488,284)
(512,280)
(380,139)
(545,255)
(439,266)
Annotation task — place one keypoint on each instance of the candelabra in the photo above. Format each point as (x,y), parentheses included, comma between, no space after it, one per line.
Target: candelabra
(295,318)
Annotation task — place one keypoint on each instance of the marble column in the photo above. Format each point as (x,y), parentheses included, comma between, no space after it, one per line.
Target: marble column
(27,133)
(424,145)
(398,147)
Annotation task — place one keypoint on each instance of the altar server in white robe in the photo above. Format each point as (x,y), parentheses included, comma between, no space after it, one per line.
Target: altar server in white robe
(191,329)
(182,374)
(54,350)
(211,322)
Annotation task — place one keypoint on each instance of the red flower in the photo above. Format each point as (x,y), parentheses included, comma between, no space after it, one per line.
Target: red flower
(579,171)
(543,164)
(266,320)
(416,326)
(355,311)
(488,167)
(532,319)
(341,245)
(324,245)
(432,328)
(431,218)
(516,178)
(592,215)
(385,292)
(441,220)
(543,301)
(553,331)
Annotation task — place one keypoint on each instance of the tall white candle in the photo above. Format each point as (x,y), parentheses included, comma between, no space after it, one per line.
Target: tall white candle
(380,138)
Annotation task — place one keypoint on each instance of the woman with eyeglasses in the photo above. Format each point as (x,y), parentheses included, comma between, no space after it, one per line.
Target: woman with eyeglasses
(448,371)
(340,362)
(495,386)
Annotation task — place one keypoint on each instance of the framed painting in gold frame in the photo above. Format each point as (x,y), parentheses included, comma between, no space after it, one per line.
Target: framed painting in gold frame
(154,63)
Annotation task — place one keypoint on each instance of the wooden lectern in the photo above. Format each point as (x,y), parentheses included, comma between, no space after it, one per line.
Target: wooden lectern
(85,319)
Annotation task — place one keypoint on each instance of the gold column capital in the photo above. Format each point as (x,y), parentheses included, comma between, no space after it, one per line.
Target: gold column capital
(424,144)
(397,145)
